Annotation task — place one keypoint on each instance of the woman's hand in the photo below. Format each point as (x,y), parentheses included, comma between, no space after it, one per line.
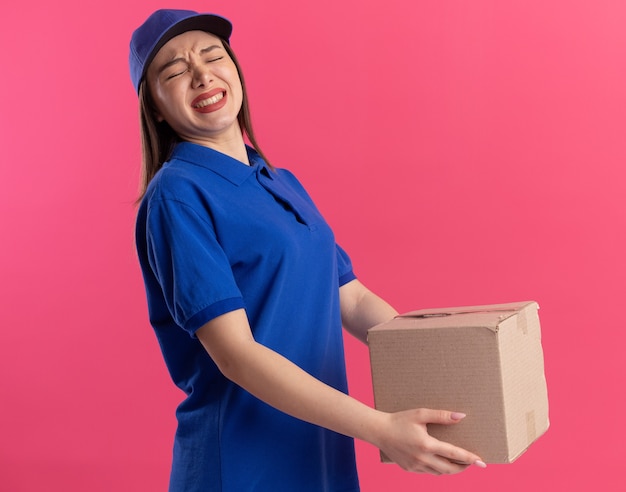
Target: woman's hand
(406,442)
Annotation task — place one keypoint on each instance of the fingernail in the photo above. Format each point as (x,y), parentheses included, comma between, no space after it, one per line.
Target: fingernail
(480,464)
(457,415)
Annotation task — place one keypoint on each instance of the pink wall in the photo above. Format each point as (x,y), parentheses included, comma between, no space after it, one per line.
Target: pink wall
(465,152)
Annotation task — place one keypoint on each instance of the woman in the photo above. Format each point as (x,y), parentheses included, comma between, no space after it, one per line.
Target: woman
(247,289)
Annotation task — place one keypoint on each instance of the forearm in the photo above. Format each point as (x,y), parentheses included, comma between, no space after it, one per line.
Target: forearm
(283,385)
(361,309)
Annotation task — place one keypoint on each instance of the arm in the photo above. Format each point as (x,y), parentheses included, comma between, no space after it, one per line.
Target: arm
(280,383)
(361,309)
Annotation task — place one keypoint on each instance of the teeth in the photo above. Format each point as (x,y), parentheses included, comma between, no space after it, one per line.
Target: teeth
(210,100)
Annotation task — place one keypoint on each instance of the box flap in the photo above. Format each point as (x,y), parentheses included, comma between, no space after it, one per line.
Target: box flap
(512,308)
(488,316)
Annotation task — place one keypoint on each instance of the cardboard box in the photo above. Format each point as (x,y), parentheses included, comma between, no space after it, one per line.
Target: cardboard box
(485,361)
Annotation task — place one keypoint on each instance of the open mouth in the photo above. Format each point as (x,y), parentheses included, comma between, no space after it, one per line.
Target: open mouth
(209,100)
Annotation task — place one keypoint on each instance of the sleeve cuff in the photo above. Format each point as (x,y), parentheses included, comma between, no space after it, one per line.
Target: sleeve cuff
(346,277)
(213,311)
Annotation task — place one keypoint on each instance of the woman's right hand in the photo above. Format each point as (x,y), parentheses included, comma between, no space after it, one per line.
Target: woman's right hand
(406,442)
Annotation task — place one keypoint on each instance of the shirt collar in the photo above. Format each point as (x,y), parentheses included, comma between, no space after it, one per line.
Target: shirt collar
(229,168)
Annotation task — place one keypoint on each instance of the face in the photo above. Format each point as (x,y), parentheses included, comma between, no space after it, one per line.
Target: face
(196,88)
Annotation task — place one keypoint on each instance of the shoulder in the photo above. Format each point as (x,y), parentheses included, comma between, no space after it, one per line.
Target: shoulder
(180,181)
(172,178)
(287,176)
(289,179)
(172,195)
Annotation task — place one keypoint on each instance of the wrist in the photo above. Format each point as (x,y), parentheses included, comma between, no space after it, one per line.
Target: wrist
(375,427)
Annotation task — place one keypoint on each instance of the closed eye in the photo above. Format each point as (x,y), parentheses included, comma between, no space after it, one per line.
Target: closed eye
(176,74)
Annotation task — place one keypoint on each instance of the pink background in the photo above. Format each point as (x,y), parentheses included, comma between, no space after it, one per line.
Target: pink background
(465,152)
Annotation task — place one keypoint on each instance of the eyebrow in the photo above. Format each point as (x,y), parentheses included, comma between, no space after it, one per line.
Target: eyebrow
(174,61)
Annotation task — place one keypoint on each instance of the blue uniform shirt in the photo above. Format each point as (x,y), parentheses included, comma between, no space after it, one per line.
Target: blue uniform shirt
(214,235)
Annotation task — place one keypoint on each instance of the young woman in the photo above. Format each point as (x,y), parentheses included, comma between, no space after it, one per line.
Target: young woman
(247,289)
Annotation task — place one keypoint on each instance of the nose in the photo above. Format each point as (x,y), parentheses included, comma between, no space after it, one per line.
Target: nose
(202,76)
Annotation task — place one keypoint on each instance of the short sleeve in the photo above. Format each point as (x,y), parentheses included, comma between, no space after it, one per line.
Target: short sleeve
(344,267)
(189,264)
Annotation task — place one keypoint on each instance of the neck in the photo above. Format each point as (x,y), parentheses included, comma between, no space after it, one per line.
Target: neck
(232,145)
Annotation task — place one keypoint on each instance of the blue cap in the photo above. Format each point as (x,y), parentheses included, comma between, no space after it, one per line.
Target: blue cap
(162,26)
